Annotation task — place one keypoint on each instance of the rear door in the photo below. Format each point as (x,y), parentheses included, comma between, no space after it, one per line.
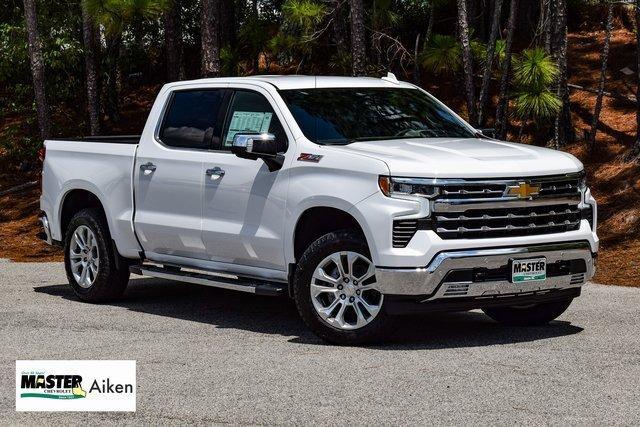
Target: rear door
(169,178)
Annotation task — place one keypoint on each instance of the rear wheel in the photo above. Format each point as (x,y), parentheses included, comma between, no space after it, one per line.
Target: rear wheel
(336,291)
(90,262)
(529,315)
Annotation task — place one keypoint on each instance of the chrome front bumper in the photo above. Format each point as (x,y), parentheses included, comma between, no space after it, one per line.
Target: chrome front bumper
(432,281)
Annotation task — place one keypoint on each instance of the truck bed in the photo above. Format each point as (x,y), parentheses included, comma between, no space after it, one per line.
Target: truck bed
(102,166)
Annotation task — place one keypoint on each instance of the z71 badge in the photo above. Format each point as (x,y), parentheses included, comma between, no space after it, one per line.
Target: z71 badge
(306,157)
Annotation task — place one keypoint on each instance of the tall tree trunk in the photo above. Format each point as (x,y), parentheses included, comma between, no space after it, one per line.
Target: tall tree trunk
(416,61)
(503,102)
(210,42)
(172,40)
(91,70)
(563,128)
(338,29)
(37,68)
(432,18)
(228,33)
(114,43)
(467,60)
(491,49)
(603,78)
(256,17)
(636,145)
(358,58)
(547,17)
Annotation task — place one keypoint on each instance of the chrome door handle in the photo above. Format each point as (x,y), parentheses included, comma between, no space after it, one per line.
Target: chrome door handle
(215,173)
(148,168)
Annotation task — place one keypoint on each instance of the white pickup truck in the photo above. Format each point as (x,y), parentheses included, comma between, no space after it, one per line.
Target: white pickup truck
(360,198)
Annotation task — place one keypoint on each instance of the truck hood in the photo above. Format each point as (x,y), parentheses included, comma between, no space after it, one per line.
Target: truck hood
(465,158)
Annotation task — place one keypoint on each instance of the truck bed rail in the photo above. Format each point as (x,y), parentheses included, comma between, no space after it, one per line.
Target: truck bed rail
(111,139)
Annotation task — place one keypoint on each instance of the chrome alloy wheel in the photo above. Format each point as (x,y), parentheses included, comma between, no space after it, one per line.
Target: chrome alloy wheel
(344,290)
(84,256)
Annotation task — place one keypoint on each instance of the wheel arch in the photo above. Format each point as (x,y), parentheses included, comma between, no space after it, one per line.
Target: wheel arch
(73,202)
(316,221)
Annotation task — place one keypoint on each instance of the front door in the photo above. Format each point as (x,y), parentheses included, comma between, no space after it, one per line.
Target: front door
(168,175)
(244,203)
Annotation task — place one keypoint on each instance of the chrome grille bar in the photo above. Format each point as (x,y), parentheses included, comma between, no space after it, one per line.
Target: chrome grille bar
(532,215)
(461,205)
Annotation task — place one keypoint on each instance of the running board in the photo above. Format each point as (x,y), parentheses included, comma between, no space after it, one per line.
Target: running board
(235,284)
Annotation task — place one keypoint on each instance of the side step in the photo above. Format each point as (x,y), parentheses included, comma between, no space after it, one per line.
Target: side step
(253,286)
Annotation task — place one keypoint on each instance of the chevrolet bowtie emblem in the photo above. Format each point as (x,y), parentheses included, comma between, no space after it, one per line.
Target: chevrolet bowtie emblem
(523,190)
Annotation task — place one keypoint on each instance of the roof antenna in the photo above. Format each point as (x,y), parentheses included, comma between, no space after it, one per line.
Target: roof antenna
(390,77)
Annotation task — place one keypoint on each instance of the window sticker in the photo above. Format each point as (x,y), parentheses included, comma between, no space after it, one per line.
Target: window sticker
(248,121)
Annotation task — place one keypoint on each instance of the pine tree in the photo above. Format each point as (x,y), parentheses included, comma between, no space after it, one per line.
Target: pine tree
(467,60)
(172,40)
(358,58)
(37,68)
(503,102)
(488,66)
(563,128)
(210,66)
(89,37)
(603,77)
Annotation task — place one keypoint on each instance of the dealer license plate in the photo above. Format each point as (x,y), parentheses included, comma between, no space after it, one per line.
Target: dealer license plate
(528,270)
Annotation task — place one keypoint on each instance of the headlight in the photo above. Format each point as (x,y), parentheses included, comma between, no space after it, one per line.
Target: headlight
(416,187)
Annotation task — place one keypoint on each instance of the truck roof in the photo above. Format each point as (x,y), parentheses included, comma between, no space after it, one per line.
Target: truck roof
(308,82)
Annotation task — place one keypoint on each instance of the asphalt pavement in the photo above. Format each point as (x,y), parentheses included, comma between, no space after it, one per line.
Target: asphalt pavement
(208,356)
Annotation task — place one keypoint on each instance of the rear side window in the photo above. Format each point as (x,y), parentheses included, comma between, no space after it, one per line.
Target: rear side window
(193,119)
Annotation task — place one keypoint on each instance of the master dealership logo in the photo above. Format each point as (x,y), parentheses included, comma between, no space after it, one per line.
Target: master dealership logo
(75,385)
(52,386)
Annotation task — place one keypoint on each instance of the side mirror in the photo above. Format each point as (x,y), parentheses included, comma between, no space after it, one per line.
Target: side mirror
(258,146)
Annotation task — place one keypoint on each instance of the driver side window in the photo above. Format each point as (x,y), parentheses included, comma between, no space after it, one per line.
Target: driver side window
(251,112)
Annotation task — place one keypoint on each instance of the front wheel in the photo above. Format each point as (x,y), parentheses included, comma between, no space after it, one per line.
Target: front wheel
(529,315)
(336,292)
(89,261)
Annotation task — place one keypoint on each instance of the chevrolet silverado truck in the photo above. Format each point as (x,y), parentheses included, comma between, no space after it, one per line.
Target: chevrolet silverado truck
(360,198)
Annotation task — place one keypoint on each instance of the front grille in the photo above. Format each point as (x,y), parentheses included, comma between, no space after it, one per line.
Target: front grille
(475,209)
(504,222)
(480,209)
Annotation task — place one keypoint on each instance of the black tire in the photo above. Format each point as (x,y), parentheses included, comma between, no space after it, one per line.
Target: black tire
(110,282)
(534,315)
(344,240)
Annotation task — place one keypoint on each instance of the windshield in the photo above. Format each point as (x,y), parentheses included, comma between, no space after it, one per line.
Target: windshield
(343,116)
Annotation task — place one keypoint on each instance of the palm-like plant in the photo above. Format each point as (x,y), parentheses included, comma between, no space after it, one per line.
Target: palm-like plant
(296,37)
(304,14)
(383,15)
(500,52)
(114,15)
(542,104)
(442,54)
(478,51)
(534,71)
(534,68)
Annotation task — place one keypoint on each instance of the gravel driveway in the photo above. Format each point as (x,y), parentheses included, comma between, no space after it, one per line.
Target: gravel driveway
(212,356)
